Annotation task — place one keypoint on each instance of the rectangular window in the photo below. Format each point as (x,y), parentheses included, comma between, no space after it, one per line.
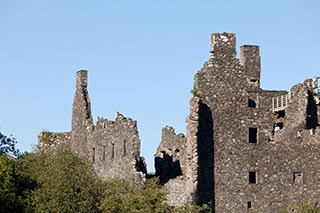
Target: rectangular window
(252,177)
(249,205)
(253,135)
(124,148)
(112,151)
(93,154)
(104,153)
(251,103)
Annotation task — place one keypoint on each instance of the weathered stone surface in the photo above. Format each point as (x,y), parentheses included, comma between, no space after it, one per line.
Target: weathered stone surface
(113,147)
(247,148)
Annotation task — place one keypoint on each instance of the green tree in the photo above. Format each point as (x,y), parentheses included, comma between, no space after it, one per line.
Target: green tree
(7,145)
(10,199)
(122,196)
(63,182)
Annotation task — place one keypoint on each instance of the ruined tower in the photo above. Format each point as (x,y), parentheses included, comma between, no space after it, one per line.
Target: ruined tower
(113,147)
(82,122)
(247,149)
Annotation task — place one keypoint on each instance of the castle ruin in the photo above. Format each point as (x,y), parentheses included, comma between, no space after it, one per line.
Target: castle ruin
(113,147)
(246,149)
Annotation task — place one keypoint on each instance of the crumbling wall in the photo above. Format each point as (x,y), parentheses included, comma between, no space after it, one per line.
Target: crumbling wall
(182,189)
(113,147)
(82,124)
(171,166)
(51,140)
(169,158)
(248,149)
(262,141)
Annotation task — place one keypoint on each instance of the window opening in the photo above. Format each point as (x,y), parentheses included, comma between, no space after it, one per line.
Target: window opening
(252,177)
(93,154)
(253,133)
(112,151)
(254,81)
(251,103)
(249,205)
(124,148)
(104,152)
(277,127)
(280,113)
(298,178)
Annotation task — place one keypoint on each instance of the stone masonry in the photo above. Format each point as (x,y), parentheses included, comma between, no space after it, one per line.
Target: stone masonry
(247,149)
(113,147)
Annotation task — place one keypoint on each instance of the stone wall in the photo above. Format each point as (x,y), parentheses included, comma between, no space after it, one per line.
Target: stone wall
(248,149)
(169,158)
(113,147)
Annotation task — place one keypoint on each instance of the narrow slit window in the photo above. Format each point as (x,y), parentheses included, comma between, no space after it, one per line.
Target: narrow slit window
(252,177)
(93,154)
(253,135)
(112,151)
(104,153)
(124,148)
(249,205)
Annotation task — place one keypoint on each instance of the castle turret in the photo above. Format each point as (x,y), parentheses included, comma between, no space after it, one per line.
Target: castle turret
(81,113)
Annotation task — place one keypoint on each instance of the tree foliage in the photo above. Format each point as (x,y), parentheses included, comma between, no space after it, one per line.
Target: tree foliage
(63,182)
(7,145)
(122,196)
(10,200)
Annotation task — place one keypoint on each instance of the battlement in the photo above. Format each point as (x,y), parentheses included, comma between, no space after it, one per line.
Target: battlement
(120,120)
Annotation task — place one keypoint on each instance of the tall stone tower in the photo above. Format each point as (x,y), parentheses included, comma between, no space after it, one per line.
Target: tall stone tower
(113,147)
(247,149)
(82,122)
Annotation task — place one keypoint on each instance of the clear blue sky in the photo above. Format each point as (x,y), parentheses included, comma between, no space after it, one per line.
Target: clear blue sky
(141,57)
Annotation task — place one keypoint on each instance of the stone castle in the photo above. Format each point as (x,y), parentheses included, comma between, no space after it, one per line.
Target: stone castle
(246,149)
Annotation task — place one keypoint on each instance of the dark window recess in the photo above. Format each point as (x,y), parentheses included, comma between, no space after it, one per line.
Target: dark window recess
(112,151)
(93,154)
(252,103)
(254,80)
(249,205)
(253,135)
(280,113)
(253,177)
(277,127)
(298,178)
(124,148)
(104,153)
